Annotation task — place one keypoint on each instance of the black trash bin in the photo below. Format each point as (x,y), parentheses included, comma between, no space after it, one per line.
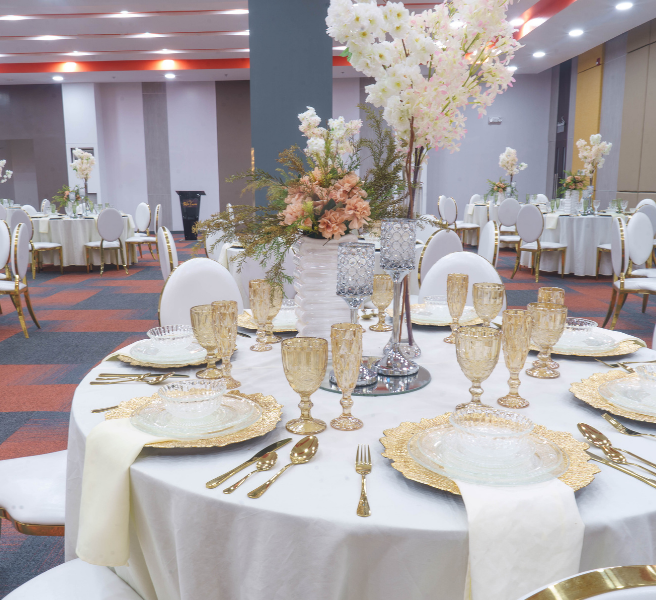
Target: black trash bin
(190,207)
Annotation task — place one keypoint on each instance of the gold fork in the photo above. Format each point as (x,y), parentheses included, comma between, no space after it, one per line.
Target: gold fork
(363,467)
(623,428)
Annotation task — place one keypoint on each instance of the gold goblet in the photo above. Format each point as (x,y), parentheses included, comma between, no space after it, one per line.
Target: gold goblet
(477,349)
(274,309)
(225,330)
(260,297)
(488,300)
(304,360)
(346,344)
(382,297)
(548,324)
(203,325)
(553,295)
(516,340)
(457,286)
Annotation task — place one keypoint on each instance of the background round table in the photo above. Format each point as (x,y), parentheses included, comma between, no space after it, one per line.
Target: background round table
(302,539)
(478,213)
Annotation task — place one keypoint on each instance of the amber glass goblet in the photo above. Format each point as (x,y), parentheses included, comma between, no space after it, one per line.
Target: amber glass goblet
(515,340)
(260,297)
(382,298)
(488,300)
(346,344)
(225,330)
(552,295)
(548,324)
(477,350)
(457,285)
(202,322)
(274,309)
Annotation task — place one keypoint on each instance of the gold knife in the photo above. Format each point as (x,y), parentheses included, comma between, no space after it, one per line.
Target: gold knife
(608,463)
(212,483)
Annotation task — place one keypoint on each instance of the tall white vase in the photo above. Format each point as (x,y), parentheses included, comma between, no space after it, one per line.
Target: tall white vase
(315,281)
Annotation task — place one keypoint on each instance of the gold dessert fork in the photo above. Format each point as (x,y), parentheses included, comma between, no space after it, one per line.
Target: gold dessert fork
(623,428)
(363,467)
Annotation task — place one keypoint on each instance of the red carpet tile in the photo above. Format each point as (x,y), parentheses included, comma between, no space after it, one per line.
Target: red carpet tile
(17,398)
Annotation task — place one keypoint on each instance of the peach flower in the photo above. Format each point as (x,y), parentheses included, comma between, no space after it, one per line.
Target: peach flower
(350,180)
(331,225)
(357,212)
(293,213)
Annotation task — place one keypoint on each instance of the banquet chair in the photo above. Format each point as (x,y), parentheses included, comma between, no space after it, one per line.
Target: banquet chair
(425,231)
(477,267)
(3,213)
(650,211)
(38,248)
(507,217)
(194,282)
(110,228)
(530,225)
(168,253)
(19,258)
(141,235)
(45,206)
(213,249)
(542,199)
(645,202)
(475,199)
(251,269)
(613,583)
(450,215)
(29,209)
(441,243)
(5,251)
(75,580)
(630,244)
(33,493)
(488,246)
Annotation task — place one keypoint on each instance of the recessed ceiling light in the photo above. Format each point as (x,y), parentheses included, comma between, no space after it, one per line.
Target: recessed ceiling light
(539,54)
(125,12)
(147,35)
(236,11)
(170,75)
(47,38)
(12,18)
(513,69)
(576,32)
(624,5)
(58,78)
(517,22)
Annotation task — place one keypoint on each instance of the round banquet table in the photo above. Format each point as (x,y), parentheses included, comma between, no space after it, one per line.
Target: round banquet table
(478,213)
(302,539)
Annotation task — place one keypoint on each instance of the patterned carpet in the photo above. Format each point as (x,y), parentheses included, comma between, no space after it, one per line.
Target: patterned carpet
(85,317)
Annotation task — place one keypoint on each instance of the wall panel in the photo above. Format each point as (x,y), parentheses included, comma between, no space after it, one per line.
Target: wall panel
(647,181)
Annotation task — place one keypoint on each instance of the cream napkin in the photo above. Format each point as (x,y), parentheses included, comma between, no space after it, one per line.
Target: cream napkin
(550,221)
(112,447)
(520,538)
(470,209)
(44,225)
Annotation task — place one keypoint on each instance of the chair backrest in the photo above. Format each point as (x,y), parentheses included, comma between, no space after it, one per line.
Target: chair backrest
(5,244)
(645,202)
(168,253)
(448,209)
(619,255)
(20,216)
(110,224)
(542,199)
(196,281)
(425,231)
(475,199)
(640,238)
(142,217)
(252,269)
(650,211)
(507,212)
(478,269)
(440,244)
(20,250)
(488,245)
(3,213)
(45,205)
(210,239)
(530,223)
(158,210)
(29,209)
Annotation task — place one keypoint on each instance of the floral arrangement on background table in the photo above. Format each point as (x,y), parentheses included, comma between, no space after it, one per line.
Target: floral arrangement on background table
(5,175)
(573,182)
(68,194)
(83,165)
(497,187)
(592,154)
(509,163)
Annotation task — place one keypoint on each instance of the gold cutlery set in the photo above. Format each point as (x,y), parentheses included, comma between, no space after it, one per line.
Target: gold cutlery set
(149,378)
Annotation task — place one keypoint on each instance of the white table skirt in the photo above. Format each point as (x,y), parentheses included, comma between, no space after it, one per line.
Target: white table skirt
(302,539)
(478,216)
(72,234)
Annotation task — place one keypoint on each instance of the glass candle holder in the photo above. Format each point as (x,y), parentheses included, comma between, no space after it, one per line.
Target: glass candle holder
(382,298)
(548,324)
(346,344)
(260,298)
(488,300)
(225,314)
(274,309)
(516,341)
(477,350)
(202,322)
(457,286)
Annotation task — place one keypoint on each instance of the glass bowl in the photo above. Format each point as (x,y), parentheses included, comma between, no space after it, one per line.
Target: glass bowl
(646,373)
(171,338)
(578,325)
(433,305)
(193,398)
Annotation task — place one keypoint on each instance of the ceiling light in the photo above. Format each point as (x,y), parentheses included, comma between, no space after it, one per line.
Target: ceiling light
(70,66)
(12,18)
(236,11)
(170,75)
(539,54)
(517,22)
(47,38)
(163,51)
(245,32)
(536,22)
(576,32)
(624,5)
(513,69)
(340,48)
(168,64)
(146,35)
(125,12)
(58,78)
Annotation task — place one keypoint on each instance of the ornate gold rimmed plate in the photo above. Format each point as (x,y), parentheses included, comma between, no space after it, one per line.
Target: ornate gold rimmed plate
(245,320)
(271,414)
(418,319)
(627,346)
(126,358)
(588,391)
(579,474)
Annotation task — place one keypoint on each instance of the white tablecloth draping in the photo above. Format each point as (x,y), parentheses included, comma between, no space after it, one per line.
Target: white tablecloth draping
(302,539)
(477,213)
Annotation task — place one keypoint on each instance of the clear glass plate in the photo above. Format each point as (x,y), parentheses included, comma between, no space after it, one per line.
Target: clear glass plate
(441,316)
(233,414)
(440,450)
(631,394)
(584,341)
(146,351)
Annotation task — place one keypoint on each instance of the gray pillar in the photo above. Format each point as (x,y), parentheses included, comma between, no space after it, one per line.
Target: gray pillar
(291,68)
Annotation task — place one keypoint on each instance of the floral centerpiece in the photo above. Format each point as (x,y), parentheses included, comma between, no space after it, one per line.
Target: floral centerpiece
(498,187)
(5,175)
(83,165)
(592,154)
(508,162)
(68,194)
(572,182)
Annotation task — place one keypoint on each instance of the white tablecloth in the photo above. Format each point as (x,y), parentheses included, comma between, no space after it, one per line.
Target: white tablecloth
(477,213)
(302,539)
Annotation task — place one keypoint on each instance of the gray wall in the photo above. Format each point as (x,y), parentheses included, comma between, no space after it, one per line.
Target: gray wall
(32,140)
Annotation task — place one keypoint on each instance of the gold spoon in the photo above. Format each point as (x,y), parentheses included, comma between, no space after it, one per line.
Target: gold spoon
(303,452)
(264,464)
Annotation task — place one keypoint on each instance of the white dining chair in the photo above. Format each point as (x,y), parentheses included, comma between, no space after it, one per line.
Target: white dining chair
(252,269)
(507,216)
(19,259)
(212,248)
(530,225)
(542,199)
(441,243)
(142,233)
(5,250)
(449,212)
(110,229)
(488,246)
(75,580)
(476,267)
(194,282)
(45,206)
(475,199)
(33,493)
(38,248)
(425,231)
(3,213)
(650,211)
(29,209)
(168,253)
(645,202)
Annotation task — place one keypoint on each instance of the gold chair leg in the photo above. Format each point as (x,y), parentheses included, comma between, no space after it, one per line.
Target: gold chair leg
(87,249)
(140,253)
(150,248)
(19,310)
(116,258)
(598,262)
(519,254)
(563,257)
(537,265)
(125,264)
(29,308)
(618,308)
(102,260)
(34,259)
(645,297)
(611,306)
(61,260)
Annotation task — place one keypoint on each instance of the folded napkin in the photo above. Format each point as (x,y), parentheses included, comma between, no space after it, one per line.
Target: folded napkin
(520,538)
(550,221)
(103,536)
(470,209)
(44,225)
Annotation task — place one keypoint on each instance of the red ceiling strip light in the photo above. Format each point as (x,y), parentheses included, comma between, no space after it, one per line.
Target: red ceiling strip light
(543,9)
(84,36)
(158,13)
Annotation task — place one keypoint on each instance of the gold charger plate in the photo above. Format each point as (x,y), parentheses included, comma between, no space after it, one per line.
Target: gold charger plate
(418,321)
(126,358)
(246,321)
(628,346)
(588,391)
(395,441)
(271,414)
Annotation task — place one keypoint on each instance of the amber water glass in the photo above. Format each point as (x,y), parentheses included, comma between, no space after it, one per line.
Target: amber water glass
(488,300)
(202,322)
(260,297)
(382,298)
(225,330)
(548,324)
(457,286)
(274,309)
(515,341)
(346,344)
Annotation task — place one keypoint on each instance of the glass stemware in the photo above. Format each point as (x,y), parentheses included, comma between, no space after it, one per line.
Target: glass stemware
(548,324)
(554,295)
(260,297)
(304,361)
(596,204)
(625,205)
(382,297)
(515,340)
(488,300)
(457,285)
(477,350)
(397,257)
(346,344)
(225,330)
(274,309)
(202,322)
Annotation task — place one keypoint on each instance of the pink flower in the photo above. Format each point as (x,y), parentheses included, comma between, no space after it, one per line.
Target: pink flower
(293,213)
(357,212)
(331,225)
